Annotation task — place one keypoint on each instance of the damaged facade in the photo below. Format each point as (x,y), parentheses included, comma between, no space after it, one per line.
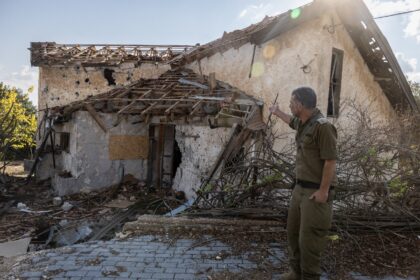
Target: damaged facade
(160,114)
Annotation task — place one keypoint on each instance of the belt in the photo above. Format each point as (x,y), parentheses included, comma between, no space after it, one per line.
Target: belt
(310,185)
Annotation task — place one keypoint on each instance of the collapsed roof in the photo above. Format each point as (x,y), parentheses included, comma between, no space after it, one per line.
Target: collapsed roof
(176,94)
(354,15)
(50,54)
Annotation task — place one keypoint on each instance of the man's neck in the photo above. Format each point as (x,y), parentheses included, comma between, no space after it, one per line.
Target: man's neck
(306,115)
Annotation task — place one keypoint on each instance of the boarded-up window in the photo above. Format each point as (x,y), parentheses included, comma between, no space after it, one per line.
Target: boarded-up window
(335,83)
(128,147)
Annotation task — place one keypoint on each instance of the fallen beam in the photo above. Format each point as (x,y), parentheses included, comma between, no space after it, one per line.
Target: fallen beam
(153,224)
(96,117)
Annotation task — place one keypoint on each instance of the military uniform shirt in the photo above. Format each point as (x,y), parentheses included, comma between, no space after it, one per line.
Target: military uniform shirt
(316,142)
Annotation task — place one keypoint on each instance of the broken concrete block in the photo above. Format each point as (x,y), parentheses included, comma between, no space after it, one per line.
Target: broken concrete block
(57,201)
(63,223)
(14,248)
(67,206)
(73,235)
(65,186)
(21,206)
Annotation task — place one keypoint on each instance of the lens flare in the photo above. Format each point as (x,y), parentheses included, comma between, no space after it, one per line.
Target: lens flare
(295,13)
(257,69)
(269,51)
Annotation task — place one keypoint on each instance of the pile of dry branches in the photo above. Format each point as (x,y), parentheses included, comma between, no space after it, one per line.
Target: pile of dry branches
(378,171)
(377,204)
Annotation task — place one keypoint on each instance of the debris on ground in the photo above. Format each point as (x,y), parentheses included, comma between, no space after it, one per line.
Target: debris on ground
(33,210)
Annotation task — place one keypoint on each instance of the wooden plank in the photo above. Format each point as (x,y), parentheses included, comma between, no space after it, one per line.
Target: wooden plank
(212,81)
(145,111)
(96,117)
(196,107)
(133,102)
(122,147)
(168,111)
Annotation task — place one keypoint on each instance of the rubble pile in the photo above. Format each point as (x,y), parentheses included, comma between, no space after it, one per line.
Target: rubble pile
(33,211)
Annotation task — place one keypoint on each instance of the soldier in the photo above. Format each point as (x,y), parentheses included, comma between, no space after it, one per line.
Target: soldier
(310,210)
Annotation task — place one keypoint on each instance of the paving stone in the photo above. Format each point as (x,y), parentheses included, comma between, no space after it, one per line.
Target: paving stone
(168,264)
(154,269)
(32,274)
(75,273)
(163,276)
(142,275)
(175,270)
(185,276)
(125,263)
(96,273)
(135,269)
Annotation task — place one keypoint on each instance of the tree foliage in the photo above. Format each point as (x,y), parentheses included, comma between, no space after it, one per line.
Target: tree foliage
(415,88)
(17,121)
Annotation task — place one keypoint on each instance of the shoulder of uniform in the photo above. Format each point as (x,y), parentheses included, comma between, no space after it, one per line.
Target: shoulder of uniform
(322,120)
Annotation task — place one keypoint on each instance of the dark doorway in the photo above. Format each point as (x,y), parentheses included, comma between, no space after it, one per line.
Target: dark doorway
(164,155)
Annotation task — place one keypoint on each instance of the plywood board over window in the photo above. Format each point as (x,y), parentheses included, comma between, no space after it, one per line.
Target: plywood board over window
(128,147)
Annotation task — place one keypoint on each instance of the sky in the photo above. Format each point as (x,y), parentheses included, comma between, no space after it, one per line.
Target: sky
(164,22)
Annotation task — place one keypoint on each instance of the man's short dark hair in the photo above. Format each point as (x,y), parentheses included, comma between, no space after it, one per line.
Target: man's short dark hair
(306,96)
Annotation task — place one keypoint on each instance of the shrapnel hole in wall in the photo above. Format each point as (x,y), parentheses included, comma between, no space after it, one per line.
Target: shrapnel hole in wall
(109,77)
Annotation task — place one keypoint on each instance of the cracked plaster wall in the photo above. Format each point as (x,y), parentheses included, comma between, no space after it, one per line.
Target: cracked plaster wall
(88,157)
(198,154)
(62,85)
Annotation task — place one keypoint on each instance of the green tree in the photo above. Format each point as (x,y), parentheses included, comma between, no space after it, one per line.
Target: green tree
(415,88)
(17,122)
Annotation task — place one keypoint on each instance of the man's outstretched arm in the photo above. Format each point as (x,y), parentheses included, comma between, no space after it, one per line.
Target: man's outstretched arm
(279,113)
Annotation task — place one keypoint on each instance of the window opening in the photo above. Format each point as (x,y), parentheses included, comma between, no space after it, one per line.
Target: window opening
(335,83)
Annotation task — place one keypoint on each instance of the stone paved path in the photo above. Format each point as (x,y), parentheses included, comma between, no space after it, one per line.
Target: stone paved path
(149,257)
(142,257)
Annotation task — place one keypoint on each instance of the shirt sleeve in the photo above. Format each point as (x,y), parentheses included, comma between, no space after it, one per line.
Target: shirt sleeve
(294,122)
(327,141)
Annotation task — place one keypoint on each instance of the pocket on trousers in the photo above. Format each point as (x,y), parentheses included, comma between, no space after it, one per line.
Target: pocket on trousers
(319,215)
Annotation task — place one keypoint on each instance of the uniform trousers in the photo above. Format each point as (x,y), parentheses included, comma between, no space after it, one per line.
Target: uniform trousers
(308,223)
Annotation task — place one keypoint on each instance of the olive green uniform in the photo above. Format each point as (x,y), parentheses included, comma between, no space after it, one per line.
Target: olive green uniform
(308,221)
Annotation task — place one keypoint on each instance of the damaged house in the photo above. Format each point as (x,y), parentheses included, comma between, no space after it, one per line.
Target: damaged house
(169,114)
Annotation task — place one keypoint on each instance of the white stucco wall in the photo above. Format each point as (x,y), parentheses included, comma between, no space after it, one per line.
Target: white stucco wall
(62,85)
(88,157)
(277,69)
(198,154)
